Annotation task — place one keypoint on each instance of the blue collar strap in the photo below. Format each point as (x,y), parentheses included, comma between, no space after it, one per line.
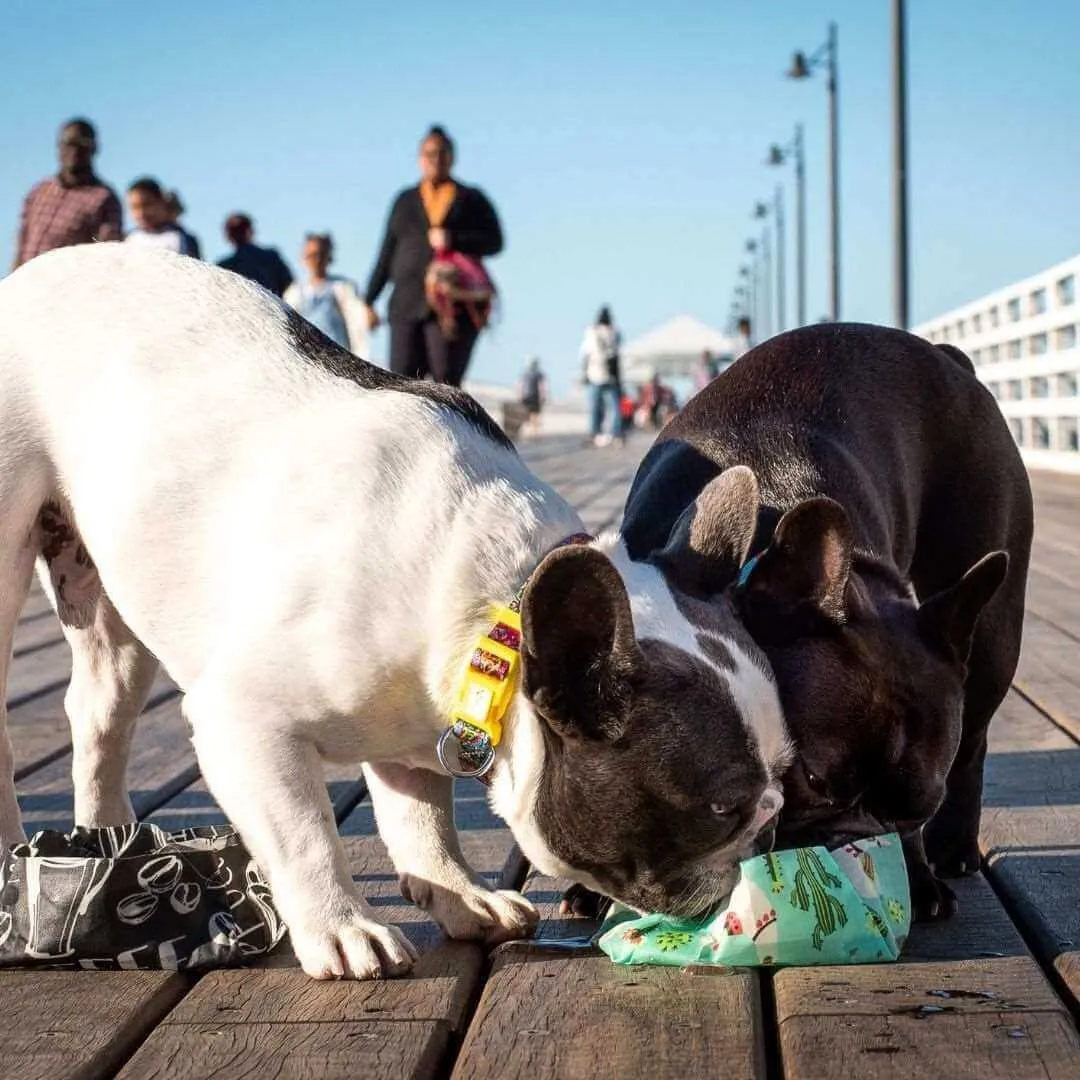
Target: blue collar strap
(746,571)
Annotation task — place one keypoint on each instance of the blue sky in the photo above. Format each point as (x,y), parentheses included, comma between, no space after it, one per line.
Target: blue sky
(623,143)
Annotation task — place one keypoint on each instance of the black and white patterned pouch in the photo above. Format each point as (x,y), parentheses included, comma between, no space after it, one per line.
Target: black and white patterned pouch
(134,897)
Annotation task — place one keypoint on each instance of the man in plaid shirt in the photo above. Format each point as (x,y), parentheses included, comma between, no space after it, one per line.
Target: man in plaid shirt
(73,207)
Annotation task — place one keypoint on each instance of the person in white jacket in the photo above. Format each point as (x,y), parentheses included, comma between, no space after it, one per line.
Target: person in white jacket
(331,303)
(600,372)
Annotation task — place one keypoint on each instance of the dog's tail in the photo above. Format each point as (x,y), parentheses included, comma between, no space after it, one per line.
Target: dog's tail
(959,356)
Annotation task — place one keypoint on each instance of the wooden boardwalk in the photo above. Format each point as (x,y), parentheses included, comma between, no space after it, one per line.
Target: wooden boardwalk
(993,993)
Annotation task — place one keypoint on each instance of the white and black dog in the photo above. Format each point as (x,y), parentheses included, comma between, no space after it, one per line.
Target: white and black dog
(312,548)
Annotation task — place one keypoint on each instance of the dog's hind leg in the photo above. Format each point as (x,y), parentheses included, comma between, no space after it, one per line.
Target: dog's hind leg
(111,675)
(111,672)
(16,567)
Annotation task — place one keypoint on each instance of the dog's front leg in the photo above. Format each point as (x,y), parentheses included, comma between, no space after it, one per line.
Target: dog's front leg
(414,809)
(269,783)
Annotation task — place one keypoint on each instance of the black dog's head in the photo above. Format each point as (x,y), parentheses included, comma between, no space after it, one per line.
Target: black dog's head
(872,684)
(649,758)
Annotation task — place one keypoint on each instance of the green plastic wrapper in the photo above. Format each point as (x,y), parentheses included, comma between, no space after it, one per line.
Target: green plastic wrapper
(791,908)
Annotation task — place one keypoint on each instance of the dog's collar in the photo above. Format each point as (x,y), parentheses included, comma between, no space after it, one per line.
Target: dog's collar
(486,688)
(747,569)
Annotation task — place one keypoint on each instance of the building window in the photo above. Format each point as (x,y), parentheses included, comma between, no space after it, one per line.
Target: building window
(944,333)
(995,389)
(1037,303)
(1067,436)
(1037,345)
(1040,433)
(1066,291)
(1065,337)
(993,313)
(1014,349)
(1066,384)
(994,353)
(1040,386)
(976,356)
(1016,426)
(1014,310)
(959,329)
(976,324)
(1015,391)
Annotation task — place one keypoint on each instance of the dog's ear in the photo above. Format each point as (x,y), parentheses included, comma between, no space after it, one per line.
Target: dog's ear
(711,540)
(579,653)
(947,619)
(807,565)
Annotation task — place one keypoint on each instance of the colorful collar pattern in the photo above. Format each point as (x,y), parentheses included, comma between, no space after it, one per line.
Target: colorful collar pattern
(486,689)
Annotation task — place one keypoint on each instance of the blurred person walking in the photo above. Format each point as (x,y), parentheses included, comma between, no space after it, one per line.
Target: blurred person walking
(331,303)
(429,225)
(532,395)
(259,264)
(72,207)
(601,373)
(175,209)
(154,225)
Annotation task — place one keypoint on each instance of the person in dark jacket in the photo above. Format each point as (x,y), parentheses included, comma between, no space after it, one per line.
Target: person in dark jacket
(261,265)
(439,214)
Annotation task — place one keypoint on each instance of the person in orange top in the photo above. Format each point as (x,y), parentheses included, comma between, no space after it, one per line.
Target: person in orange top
(438,214)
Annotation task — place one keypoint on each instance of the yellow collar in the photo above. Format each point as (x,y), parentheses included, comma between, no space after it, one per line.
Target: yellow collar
(486,689)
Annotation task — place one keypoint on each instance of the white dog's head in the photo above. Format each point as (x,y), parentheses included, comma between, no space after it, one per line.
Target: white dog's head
(649,737)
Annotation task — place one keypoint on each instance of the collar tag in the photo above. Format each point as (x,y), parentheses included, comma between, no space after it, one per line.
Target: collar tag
(486,690)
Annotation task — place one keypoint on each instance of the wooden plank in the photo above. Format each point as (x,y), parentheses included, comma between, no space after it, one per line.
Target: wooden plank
(967,990)
(319,1051)
(49,665)
(1031,833)
(1049,675)
(273,1019)
(78,1024)
(547,1013)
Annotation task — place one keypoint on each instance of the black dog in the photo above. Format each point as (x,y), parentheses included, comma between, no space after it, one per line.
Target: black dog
(887,586)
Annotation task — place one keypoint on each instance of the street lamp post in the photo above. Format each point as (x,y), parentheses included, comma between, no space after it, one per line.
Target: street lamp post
(802,67)
(761,211)
(777,156)
(900,193)
(781,270)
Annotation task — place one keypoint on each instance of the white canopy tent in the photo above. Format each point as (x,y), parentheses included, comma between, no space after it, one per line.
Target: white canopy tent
(674,349)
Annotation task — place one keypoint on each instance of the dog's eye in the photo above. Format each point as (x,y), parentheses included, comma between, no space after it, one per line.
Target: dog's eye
(720,809)
(817,785)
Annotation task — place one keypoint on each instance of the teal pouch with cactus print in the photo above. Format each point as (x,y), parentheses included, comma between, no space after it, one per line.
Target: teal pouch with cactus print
(799,907)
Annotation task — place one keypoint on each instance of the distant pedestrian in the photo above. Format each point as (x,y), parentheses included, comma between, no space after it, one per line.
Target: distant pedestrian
(262,265)
(73,207)
(533,394)
(601,373)
(154,225)
(431,225)
(331,303)
(706,369)
(175,208)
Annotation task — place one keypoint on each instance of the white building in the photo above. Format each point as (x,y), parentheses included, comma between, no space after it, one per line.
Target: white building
(1023,342)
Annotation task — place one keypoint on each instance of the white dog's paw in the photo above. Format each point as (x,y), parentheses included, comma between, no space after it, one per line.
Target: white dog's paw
(353,948)
(473,913)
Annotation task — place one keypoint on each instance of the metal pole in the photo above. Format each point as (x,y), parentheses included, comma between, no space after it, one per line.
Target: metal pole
(755,325)
(834,184)
(766,285)
(800,229)
(900,196)
(778,214)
